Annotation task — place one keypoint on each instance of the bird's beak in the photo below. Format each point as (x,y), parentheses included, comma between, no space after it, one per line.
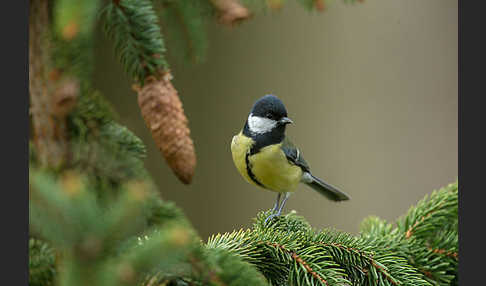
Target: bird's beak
(285,120)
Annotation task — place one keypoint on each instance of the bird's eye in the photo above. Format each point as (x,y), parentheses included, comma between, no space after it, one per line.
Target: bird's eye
(269,116)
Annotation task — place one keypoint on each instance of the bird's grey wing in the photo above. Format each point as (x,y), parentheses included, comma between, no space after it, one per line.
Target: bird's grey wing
(294,155)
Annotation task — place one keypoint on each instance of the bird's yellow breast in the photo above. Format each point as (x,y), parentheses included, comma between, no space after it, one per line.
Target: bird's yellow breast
(240,145)
(270,165)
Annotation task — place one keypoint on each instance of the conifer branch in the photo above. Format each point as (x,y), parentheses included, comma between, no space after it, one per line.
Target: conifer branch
(133,26)
(384,256)
(361,254)
(430,214)
(452,254)
(91,236)
(41,263)
(428,226)
(108,152)
(222,268)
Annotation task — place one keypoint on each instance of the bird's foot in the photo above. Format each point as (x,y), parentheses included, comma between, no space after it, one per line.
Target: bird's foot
(271,216)
(277,210)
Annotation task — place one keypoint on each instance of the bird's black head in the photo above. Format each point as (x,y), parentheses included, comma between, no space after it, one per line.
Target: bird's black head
(267,120)
(269,106)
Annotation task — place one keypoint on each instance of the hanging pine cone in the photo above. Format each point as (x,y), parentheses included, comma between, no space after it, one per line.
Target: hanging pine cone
(231,11)
(163,113)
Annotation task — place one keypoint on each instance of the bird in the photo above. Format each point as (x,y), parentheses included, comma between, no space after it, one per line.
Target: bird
(266,157)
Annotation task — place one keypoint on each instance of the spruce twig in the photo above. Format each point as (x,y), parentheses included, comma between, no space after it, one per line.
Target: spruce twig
(41,263)
(133,26)
(426,235)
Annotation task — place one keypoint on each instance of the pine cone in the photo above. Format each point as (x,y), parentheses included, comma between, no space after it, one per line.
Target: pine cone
(163,113)
(231,11)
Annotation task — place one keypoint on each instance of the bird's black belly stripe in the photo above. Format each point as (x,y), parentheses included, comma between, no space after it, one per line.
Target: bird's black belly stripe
(250,173)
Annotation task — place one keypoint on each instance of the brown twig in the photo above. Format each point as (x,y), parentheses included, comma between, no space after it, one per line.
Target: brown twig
(308,268)
(427,273)
(409,231)
(445,252)
(363,254)
(299,260)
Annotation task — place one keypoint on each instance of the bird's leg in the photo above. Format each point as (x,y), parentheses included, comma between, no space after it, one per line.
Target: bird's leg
(275,208)
(287,195)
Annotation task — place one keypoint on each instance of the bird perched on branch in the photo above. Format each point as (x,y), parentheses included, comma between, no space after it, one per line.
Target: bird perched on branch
(265,157)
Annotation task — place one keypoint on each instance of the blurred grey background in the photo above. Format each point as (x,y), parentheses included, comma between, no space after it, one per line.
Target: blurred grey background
(371,87)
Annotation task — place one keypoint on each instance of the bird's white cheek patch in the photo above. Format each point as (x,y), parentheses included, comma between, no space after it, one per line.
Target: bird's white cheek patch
(260,125)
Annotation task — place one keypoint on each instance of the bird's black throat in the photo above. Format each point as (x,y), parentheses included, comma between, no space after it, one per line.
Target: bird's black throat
(275,136)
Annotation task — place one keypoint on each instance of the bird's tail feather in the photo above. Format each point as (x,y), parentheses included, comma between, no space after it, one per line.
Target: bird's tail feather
(324,188)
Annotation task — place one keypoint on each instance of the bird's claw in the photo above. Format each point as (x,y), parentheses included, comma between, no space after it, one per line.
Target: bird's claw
(271,216)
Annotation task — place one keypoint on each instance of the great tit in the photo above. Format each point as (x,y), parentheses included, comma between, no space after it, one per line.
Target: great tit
(265,157)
